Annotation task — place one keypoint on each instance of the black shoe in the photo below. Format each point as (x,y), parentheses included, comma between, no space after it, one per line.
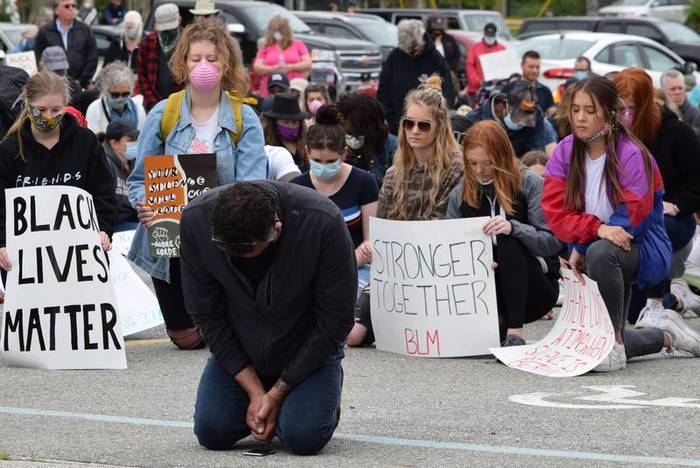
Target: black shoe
(512,340)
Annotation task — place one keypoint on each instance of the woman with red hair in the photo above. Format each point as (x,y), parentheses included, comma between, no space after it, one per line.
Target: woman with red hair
(675,148)
(495,184)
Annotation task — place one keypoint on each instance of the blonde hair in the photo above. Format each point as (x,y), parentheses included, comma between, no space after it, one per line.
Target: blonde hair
(444,147)
(281,23)
(44,83)
(233,74)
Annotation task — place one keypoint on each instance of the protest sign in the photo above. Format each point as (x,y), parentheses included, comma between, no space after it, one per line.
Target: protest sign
(433,292)
(172,181)
(499,65)
(60,310)
(581,338)
(24,60)
(137,305)
(121,241)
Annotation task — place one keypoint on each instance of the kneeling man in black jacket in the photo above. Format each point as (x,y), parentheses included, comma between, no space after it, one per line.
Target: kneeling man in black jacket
(269,277)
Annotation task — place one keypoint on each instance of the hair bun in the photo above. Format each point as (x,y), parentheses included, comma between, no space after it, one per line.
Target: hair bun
(434,82)
(327,115)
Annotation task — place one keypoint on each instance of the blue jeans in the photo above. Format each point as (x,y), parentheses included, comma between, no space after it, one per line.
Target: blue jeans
(364,276)
(307,417)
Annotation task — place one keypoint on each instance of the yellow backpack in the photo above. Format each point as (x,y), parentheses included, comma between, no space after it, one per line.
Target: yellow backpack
(171,114)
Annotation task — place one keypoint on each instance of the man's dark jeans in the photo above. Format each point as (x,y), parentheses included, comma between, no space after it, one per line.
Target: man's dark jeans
(306,421)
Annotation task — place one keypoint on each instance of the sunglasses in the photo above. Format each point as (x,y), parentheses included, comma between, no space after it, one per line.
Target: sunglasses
(70,6)
(423,125)
(238,249)
(118,95)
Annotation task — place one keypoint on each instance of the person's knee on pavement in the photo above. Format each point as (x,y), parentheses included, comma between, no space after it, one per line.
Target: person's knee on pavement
(304,437)
(213,433)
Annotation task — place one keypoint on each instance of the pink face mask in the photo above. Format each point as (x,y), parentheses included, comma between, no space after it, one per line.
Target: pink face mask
(627,118)
(205,76)
(314,106)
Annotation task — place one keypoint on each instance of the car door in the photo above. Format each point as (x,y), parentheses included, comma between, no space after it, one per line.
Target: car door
(615,57)
(645,30)
(657,61)
(316,26)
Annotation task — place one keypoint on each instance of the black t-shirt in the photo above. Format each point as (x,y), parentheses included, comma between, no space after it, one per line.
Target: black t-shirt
(544,97)
(254,268)
(165,84)
(360,189)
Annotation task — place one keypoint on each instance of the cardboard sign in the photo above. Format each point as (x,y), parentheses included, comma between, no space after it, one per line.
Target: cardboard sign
(433,292)
(171,183)
(24,60)
(500,65)
(60,309)
(581,338)
(138,307)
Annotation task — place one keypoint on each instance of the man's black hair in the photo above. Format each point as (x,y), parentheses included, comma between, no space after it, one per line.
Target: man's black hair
(244,212)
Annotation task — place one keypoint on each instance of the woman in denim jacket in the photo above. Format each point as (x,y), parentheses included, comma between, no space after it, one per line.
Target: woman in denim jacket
(209,62)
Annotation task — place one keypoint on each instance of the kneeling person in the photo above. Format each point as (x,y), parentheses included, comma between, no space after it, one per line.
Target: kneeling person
(269,276)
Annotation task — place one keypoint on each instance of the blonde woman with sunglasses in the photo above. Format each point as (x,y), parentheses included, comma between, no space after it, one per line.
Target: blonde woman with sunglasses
(427,164)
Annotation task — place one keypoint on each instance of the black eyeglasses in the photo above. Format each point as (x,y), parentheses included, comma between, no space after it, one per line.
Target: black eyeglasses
(118,95)
(238,249)
(423,125)
(69,6)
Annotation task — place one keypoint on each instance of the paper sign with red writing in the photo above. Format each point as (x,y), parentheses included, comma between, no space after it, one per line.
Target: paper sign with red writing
(172,182)
(433,292)
(581,338)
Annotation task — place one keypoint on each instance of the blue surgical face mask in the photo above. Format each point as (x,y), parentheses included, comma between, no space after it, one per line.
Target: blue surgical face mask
(580,74)
(512,125)
(325,171)
(117,103)
(131,150)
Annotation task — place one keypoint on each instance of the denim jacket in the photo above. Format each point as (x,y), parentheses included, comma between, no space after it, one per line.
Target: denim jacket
(247,161)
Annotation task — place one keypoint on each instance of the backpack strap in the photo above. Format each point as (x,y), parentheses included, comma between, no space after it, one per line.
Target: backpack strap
(171,114)
(237,109)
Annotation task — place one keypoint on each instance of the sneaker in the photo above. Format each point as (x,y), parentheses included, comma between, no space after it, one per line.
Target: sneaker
(680,288)
(512,340)
(649,315)
(683,338)
(615,361)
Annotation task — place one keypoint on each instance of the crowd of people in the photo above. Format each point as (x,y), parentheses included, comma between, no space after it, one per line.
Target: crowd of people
(274,274)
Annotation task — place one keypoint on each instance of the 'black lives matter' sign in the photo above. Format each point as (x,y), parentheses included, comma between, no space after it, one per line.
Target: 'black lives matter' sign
(60,311)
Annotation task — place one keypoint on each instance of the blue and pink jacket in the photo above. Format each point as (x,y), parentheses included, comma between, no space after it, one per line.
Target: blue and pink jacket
(638,210)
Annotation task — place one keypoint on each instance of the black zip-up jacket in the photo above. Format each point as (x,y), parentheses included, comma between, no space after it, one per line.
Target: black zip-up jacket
(401,73)
(81,51)
(76,160)
(125,212)
(676,152)
(302,310)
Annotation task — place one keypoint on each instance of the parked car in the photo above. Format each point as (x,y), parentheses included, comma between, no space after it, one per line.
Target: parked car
(673,10)
(467,20)
(677,37)
(370,28)
(11,35)
(607,53)
(338,63)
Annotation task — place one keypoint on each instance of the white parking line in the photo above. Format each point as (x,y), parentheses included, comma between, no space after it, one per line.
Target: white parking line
(393,441)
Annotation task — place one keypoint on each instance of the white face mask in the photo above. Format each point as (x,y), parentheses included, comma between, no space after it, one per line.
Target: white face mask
(353,142)
(489,40)
(278,36)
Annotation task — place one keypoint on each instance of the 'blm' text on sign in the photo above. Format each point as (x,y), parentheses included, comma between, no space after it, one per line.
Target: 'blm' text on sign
(60,311)
(172,181)
(433,292)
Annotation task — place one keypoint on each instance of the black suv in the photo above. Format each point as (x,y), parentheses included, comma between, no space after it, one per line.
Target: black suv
(338,63)
(677,37)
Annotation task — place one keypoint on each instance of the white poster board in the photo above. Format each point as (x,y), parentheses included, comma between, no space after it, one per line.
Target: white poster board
(60,310)
(581,338)
(499,65)
(121,241)
(24,60)
(433,292)
(138,307)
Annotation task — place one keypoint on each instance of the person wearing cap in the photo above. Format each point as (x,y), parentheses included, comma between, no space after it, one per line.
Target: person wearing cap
(277,83)
(113,13)
(125,47)
(518,112)
(209,116)
(204,11)
(298,85)
(410,64)
(444,42)
(530,66)
(54,59)
(281,54)
(487,45)
(152,68)
(117,138)
(74,37)
(115,82)
(284,126)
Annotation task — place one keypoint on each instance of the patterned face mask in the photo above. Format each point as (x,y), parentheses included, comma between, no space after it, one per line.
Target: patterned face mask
(41,121)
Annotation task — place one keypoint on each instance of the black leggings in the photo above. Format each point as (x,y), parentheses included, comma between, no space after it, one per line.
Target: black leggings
(523,291)
(170,299)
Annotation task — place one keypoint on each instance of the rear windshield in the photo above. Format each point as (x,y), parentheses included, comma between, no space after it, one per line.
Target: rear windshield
(555,48)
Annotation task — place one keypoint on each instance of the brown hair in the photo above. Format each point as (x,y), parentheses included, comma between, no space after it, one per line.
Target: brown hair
(44,83)
(273,138)
(326,133)
(493,139)
(636,85)
(234,77)
(534,157)
(533,54)
(279,22)
(604,96)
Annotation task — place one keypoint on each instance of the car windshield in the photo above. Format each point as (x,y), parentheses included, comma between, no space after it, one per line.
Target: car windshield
(477,23)
(678,32)
(381,32)
(555,48)
(630,2)
(261,16)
